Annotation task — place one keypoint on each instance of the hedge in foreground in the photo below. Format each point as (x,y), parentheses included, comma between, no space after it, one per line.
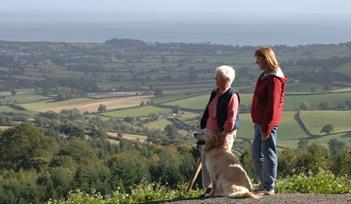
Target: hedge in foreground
(141,193)
(324,183)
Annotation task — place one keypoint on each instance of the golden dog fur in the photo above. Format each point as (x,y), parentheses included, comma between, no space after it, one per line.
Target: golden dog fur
(227,176)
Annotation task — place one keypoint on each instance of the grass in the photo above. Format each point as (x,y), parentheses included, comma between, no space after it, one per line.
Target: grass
(333,99)
(7,109)
(292,102)
(168,98)
(343,137)
(27,98)
(344,69)
(127,136)
(159,124)
(86,104)
(315,120)
(188,116)
(137,112)
(288,130)
(304,87)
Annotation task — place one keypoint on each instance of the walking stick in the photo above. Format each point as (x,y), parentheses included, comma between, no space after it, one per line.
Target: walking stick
(195,174)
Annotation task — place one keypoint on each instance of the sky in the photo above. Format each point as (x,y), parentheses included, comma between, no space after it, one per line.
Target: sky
(284,21)
(255,7)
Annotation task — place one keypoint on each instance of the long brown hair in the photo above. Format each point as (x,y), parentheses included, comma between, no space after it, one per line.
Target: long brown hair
(268,55)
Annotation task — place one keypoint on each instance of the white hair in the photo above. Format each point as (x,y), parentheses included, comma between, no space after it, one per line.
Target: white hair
(227,72)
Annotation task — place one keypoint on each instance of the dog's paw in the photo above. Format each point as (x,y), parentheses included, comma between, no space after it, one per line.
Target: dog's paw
(208,195)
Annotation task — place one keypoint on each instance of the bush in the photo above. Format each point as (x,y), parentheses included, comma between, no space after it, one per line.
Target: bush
(142,192)
(323,182)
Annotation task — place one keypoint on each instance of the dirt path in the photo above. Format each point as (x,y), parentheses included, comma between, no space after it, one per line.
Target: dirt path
(286,198)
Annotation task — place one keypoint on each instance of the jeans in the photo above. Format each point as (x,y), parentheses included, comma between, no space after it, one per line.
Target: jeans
(264,154)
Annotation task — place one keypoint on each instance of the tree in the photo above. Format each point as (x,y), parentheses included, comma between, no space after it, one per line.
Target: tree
(24,146)
(13,92)
(128,167)
(303,143)
(129,119)
(323,105)
(72,131)
(304,105)
(327,128)
(102,108)
(79,151)
(97,133)
(176,109)
(158,92)
(336,146)
(71,114)
(167,169)
(171,134)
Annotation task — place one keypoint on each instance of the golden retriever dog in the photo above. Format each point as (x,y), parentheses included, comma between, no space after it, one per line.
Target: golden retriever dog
(228,177)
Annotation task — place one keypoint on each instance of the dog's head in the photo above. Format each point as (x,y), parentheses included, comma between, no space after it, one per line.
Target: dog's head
(210,139)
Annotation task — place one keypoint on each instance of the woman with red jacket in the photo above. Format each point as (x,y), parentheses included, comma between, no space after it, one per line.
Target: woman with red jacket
(266,109)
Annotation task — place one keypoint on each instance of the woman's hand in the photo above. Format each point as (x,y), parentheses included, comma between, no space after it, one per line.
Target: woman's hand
(265,135)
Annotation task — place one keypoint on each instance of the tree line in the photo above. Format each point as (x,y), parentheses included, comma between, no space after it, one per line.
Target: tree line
(37,164)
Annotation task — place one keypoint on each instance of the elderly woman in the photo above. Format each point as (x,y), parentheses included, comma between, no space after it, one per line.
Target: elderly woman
(221,113)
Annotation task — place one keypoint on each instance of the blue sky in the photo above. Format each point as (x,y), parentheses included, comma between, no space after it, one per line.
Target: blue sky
(222,21)
(340,8)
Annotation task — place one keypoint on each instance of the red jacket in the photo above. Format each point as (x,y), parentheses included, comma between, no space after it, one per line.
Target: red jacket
(268,100)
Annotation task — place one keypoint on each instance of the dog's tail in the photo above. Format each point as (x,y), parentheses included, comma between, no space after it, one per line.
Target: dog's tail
(246,194)
(252,195)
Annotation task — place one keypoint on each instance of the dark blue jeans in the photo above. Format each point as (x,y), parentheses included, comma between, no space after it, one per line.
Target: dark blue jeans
(264,154)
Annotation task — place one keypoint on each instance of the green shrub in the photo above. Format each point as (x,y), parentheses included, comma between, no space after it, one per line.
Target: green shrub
(79,197)
(140,193)
(323,182)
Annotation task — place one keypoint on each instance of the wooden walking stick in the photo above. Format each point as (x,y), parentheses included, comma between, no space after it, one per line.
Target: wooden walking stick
(195,174)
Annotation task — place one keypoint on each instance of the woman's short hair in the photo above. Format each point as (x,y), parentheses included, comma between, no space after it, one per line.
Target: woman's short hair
(227,72)
(268,55)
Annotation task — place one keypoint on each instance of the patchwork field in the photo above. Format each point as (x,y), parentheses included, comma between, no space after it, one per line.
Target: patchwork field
(136,112)
(87,104)
(159,124)
(127,136)
(315,120)
(292,101)
(288,130)
(27,98)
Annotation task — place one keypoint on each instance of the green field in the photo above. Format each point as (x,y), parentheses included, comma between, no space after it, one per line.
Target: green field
(188,116)
(168,98)
(159,124)
(344,69)
(344,137)
(27,98)
(288,129)
(137,112)
(304,87)
(7,109)
(199,102)
(315,120)
(292,102)
(47,104)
